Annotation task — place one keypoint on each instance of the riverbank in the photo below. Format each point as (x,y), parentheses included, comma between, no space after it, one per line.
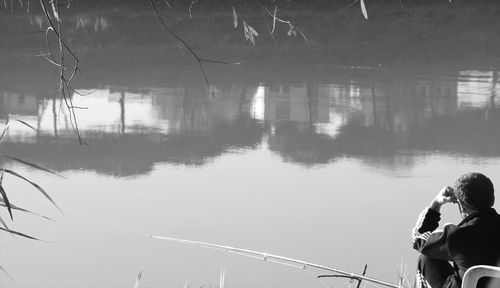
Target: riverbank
(459,33)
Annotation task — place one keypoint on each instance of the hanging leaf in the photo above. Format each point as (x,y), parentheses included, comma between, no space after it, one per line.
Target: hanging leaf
(253,31)
(235,18)
(6,200)
(31,165)
(363,8)
(35,185)
(250,33)
(274,18)
(292,31)
(54,10)
(245,30)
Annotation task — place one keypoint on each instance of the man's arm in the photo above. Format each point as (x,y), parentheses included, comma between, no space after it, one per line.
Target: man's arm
(424,237)
(427,222)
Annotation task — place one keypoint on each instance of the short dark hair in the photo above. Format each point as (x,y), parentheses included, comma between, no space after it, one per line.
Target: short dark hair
(475,190)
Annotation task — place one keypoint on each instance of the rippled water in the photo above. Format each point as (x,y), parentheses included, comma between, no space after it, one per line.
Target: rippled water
(325,163)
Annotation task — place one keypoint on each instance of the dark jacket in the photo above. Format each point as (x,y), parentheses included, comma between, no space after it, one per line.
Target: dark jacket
(475,241)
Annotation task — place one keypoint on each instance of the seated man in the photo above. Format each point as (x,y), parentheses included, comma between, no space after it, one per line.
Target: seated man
(475,241)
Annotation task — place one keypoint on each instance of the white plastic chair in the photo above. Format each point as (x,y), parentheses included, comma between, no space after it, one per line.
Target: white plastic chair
(473,274)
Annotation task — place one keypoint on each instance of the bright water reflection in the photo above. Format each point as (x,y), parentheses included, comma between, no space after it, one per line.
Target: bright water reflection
(373,118)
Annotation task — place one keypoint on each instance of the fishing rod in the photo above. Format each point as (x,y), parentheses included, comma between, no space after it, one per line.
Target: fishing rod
(276,259)
(247,253)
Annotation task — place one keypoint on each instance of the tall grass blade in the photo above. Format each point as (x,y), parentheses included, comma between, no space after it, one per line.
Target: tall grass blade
(222,278)
(235,18)
(26,124)
(35,185)
(138,279)
(363,9)
(33,165)
(10,122)
(19,234)
(3,223)
(14,207)
(6,273)
(6,200)
(5,226)
(5,129)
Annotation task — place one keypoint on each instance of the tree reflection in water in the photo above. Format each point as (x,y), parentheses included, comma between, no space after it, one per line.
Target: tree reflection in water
(373,119)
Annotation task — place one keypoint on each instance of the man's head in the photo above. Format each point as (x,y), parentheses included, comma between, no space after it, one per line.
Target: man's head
(475,191)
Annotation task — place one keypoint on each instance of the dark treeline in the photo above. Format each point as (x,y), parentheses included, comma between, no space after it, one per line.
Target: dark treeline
(249,5)
(462,31)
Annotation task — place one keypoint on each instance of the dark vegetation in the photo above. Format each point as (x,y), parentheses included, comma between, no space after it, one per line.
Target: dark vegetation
(437,32)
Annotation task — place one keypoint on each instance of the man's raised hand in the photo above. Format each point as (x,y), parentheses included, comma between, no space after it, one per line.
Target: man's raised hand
(444,196)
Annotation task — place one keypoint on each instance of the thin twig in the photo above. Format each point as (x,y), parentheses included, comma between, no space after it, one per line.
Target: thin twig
(218,62)
(166,2)
(271,30)
(186,45)
(288,22)
(404,8)
(65,88)
(352,3)
(191,6)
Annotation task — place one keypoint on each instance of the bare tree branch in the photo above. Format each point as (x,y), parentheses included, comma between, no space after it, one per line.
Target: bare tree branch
(404,8)
(186,45)
(65,87)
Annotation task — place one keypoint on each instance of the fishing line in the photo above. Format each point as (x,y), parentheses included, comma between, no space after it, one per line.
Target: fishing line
(116,226)
(122,228)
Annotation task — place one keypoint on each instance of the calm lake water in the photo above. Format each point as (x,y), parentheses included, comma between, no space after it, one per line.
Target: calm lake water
(311,159)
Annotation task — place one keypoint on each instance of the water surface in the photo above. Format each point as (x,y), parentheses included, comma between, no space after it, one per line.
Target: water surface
(306,159)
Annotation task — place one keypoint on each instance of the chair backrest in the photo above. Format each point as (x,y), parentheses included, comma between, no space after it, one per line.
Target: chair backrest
(473,274)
